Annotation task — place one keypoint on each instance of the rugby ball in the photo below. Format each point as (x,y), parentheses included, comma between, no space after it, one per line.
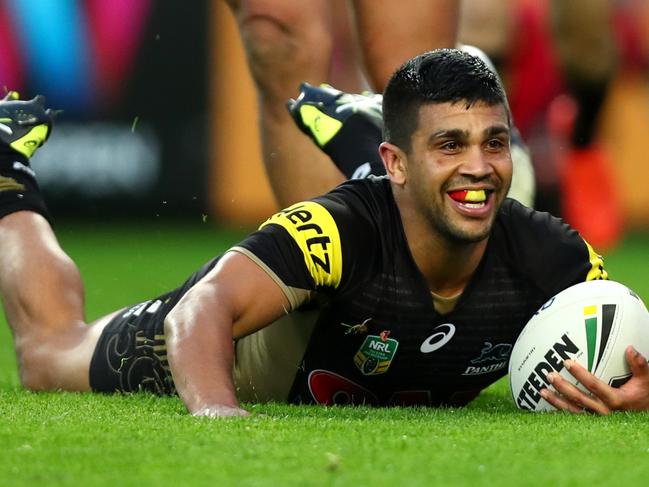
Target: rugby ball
(592,323)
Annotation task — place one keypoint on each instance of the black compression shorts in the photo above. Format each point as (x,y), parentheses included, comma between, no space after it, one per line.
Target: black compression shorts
(131,354)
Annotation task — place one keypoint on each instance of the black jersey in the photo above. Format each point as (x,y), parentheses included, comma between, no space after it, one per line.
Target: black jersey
(379,339)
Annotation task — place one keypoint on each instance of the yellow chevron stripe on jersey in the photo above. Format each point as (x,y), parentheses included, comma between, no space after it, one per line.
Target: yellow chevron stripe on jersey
(315,232)
(597,270)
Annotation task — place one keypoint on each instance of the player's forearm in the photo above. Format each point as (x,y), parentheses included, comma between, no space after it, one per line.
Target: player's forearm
(200,353)
(234,299)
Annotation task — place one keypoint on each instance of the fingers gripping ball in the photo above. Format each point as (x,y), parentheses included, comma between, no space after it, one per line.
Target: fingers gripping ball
(25,125)
(592,324)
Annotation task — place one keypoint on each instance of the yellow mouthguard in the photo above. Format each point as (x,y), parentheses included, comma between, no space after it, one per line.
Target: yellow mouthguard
(476,196)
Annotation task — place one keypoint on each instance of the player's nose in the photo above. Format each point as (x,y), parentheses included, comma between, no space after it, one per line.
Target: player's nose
(476,163)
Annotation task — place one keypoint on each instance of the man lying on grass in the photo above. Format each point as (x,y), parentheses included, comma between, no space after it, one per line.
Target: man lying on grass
(384,291)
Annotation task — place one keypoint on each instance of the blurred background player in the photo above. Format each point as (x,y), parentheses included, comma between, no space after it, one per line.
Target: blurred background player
(119,71)
(559,59)
(288,42)
(543,48)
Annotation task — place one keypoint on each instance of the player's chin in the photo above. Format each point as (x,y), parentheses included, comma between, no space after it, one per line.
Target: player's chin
(466,231)
(473,233)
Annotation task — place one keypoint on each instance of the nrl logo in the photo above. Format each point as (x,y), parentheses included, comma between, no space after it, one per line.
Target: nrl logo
(376,353)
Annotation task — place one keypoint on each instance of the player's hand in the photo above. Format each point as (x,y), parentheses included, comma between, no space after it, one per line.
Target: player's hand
(220,411)
(25,125)
(632,396)
(322,111)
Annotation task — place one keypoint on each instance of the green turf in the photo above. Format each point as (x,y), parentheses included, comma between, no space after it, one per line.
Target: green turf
(89,439)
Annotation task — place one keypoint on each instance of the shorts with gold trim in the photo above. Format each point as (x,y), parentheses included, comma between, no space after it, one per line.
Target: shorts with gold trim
(131,354)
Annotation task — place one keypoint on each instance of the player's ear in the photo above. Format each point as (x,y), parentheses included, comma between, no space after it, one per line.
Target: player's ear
(394,160)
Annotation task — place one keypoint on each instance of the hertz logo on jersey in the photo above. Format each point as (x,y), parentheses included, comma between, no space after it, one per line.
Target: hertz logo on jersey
(314,230)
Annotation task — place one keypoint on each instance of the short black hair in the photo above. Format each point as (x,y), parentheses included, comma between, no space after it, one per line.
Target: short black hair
(439,76)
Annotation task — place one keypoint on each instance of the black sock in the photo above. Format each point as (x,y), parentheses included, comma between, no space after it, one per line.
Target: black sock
(18,187)
(590,97)
(355,149)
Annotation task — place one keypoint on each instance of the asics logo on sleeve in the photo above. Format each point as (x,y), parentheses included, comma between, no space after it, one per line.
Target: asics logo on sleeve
(438,339)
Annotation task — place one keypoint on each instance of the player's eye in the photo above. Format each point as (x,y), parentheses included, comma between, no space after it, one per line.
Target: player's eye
(495,144)
(451,146)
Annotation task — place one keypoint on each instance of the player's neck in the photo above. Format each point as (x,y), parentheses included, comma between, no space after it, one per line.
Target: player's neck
(447,270)
(447,266)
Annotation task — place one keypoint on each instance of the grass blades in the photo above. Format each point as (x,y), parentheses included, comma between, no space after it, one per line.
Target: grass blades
(72,439)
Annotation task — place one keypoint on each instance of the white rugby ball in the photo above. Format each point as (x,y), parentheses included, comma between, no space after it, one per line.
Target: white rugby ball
(592,323)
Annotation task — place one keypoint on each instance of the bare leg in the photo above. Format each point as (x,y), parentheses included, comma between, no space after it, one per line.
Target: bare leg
(391,32)
(43,299)
(288,42)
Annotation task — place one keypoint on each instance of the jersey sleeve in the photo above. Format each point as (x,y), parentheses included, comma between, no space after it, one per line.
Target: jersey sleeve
(549,251)
(311,246)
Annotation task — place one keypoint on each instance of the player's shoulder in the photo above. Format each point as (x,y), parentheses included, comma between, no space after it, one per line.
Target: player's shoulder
(336,234)
(356,203)
(528,233)
(367,195)
(520,222)
(361,206)
(544,247)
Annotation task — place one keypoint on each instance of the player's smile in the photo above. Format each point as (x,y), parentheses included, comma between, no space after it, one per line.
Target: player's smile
(474,203)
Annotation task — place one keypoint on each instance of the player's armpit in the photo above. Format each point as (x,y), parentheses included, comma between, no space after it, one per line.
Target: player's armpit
(236,298)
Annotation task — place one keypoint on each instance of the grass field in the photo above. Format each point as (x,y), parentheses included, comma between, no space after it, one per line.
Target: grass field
(87,439)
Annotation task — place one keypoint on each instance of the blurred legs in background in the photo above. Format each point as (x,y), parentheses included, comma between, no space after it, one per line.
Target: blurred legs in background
(291,41)
(287,42)
(585,46)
